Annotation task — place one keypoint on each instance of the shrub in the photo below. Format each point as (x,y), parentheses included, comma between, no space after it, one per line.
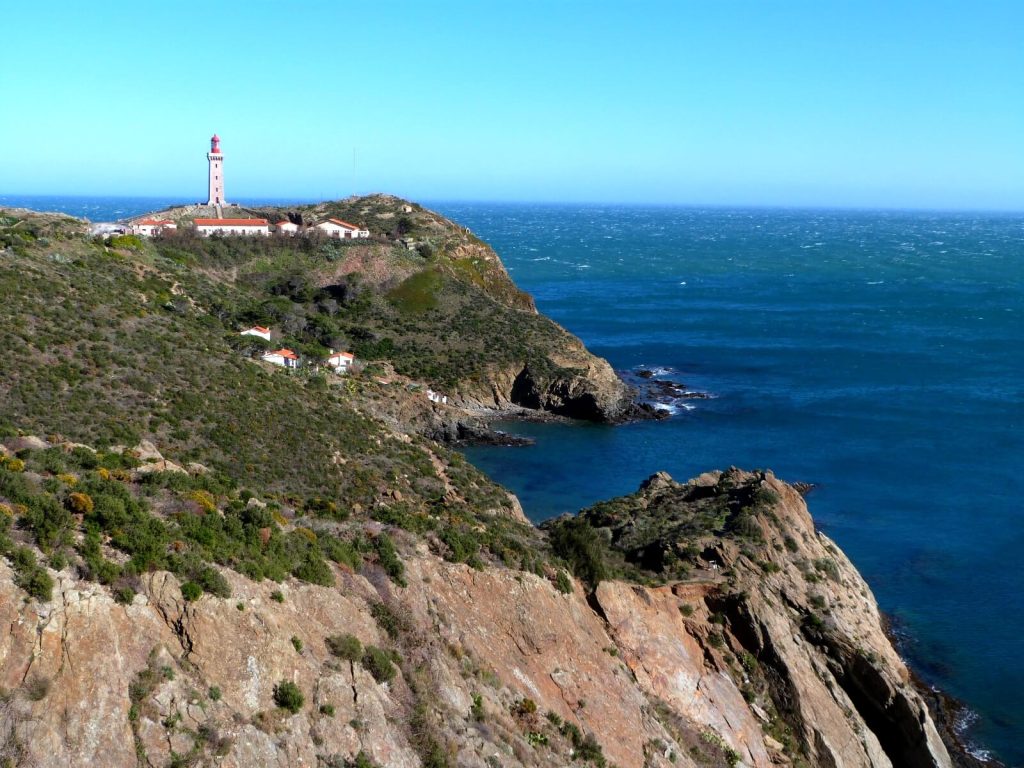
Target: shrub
(277,596)
(327,709)
(297,643)
(828,566)
(80,503)
(288,696)
(204,499)
(191,591)
(214,693)
(524,707)
(378,663)
(362,760)
(13,465)
(389,560)
(563,583)
(581,547)
(125,242)
(345,647)
(36,687)
(462,545)
(476,710)
(30,576)
(388,619)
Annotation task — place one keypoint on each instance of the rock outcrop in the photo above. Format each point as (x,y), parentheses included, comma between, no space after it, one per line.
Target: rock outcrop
(770,652)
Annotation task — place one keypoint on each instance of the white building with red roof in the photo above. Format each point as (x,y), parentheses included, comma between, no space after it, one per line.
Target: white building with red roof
(150,227)
(285,227)
(207,227)
(340,362)
(283,357)
(257,330)
(341,229)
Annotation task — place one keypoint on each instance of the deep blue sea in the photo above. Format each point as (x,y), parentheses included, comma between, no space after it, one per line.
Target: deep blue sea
(878,355)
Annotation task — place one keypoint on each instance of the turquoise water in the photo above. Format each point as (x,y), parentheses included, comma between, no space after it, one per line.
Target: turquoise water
(879,355)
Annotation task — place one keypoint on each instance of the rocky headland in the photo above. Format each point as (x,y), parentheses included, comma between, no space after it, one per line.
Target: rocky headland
(207,561)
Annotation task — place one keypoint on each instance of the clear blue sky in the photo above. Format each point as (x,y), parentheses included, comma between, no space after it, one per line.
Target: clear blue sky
(776,102)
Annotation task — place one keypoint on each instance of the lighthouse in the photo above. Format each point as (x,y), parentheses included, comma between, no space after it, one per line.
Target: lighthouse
(216,159)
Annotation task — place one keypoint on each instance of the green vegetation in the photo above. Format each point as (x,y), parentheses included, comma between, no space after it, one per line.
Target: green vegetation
(380,663)
(139,340)
(661,534)
(345,647)
(288,696)
(476,710)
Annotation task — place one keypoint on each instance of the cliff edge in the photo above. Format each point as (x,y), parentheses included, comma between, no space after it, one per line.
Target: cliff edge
(753,642)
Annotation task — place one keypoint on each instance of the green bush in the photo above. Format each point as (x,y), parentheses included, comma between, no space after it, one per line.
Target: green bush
(388,619)
(30,576)
(389,560)
(378,663)
(191,591)
(288,696)
(126,242)
(580,546)
(345,647)
(462,544)
(563,583)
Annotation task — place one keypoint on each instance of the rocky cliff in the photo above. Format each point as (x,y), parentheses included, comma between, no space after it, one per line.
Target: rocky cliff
(306,579)
(753,641)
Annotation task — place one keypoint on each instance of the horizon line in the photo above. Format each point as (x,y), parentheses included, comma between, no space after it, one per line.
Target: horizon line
(299,200)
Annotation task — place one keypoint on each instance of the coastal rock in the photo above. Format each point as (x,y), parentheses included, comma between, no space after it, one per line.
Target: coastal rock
(720,666)
(26,443)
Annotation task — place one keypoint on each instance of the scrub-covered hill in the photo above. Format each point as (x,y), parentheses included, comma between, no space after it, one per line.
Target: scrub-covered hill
(206,560)
(421,292)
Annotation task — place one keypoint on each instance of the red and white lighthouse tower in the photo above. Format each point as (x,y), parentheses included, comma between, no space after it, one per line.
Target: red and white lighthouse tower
(216,159)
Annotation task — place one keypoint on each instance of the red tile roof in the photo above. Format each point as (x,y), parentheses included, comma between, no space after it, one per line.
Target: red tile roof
(231,222)
(341,223)
(259,328)
(156,222)
(341,354)
(284,221)
(287,353)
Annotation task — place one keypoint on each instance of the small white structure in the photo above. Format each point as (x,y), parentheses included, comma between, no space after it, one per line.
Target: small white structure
(285,227)
(257,330)
(207,227)
(106,229)
(340,361)
(341,229)
(283,357)
(150,227)
(436,397)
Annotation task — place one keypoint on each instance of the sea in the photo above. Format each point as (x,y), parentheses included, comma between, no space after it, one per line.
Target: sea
(878,355)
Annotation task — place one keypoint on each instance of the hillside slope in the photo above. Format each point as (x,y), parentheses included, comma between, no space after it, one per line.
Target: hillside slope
(767,651)
(207,561)
(422,293)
